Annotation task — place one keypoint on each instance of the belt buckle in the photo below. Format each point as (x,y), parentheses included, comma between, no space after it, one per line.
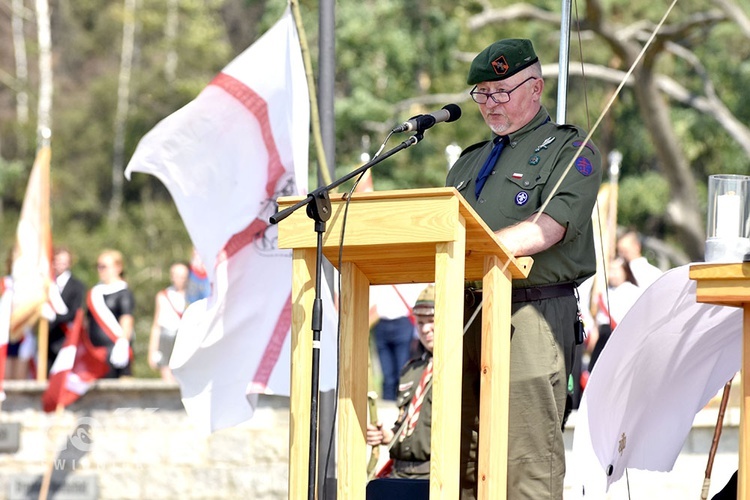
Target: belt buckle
(533,294)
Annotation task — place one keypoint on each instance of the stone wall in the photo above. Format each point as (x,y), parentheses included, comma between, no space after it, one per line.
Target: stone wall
(131,439)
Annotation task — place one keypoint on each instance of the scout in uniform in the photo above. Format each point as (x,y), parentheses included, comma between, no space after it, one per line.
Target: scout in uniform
(410,435)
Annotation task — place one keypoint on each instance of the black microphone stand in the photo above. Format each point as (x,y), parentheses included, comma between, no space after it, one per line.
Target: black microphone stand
(318,204)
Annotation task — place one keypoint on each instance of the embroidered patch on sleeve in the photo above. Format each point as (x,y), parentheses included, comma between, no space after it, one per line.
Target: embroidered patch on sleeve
(584,166)
(577,144)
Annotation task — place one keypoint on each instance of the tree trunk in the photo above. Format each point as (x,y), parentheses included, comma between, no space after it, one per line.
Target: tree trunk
(170,34)
(683,210)
(22,65)
(241,19)
(121,115)
(44,113)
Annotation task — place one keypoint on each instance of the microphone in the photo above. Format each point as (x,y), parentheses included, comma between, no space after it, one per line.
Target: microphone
(449,113)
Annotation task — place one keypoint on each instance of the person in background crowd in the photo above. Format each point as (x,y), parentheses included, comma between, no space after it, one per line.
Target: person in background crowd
(629,247)
(170,304)
(110,314)
(410,435)
(622,292)
(72,292)
(520,185)
(16,366)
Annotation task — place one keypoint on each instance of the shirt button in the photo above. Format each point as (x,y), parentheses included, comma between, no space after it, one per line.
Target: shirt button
(492,173)
(526,183)
(481,200)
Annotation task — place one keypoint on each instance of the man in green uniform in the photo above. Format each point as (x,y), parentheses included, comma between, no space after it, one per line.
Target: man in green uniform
(410,435)
(518,183)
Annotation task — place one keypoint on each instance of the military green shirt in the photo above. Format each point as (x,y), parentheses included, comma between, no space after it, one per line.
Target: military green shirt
(415,447)
(529,167)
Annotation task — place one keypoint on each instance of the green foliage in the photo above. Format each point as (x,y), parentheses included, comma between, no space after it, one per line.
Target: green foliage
(392,58)
(642,202)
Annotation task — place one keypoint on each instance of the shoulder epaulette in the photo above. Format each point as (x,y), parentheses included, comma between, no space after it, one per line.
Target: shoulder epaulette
(574,128)
(473,147)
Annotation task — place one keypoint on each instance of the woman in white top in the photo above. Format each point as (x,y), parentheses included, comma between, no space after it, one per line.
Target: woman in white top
(170,304)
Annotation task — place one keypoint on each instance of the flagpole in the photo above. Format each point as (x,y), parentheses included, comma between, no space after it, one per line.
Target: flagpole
(314,114)
(715,440)
(564,62)
(43,344)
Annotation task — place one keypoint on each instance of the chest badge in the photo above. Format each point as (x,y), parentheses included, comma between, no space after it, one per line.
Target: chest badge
(534,160)
(543,145)
(521,198)
(517,175)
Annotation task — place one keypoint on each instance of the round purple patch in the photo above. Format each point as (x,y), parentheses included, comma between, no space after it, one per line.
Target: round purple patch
(583,165)
(522,197)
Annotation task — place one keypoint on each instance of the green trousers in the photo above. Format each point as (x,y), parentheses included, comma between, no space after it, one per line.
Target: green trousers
(541,358)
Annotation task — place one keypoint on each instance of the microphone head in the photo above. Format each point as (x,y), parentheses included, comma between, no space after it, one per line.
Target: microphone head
(454,111)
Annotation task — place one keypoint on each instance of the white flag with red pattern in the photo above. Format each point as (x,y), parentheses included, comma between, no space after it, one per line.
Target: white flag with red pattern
(225,158)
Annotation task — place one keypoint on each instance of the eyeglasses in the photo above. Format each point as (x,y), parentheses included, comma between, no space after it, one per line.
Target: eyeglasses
(499,97)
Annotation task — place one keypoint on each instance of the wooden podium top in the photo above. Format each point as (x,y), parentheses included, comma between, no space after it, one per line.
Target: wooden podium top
(722,284)
(391,235)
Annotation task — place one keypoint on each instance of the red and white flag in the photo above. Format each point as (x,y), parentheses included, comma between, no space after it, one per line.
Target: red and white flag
(32,254)
(77,366)
(225,158)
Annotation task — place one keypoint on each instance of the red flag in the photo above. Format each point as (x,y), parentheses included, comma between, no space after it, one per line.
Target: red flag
(76,367)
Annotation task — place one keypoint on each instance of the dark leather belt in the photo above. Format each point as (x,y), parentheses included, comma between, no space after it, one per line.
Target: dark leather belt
(410,467)
(532,292)
(542,292)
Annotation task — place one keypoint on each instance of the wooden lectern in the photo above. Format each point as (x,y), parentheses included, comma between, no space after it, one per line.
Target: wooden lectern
(729,285)
(420,236)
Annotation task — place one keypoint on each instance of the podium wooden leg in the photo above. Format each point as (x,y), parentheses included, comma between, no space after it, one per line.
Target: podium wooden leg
(303,295)
(448,360)
(744,463)
(354,351)
(492,471)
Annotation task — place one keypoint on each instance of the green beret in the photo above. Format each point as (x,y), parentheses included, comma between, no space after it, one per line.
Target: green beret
(501,60)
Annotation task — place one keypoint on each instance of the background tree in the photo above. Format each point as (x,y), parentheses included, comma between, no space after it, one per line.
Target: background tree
(681,118)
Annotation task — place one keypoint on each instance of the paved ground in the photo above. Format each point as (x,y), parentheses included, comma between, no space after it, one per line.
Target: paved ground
(685,481)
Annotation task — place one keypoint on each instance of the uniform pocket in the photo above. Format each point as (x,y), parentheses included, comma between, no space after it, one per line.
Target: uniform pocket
(462,186)
(527,194)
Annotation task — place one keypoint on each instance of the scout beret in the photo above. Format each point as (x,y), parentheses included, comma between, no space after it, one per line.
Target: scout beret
(501,60)
(425,304)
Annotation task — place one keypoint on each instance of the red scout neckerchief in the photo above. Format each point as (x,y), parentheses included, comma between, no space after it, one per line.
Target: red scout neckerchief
(412,414)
